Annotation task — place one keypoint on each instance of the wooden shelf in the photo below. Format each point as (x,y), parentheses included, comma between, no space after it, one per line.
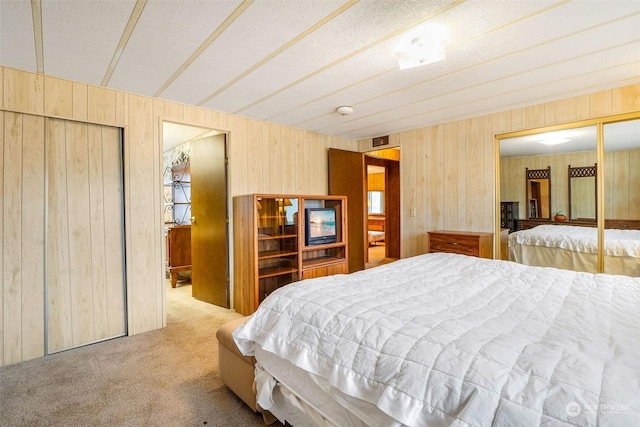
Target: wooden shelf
(320,261)
(178,195)
(170,183)
(276,271)
(277,236)
(324,246)
(269,250)
(275,254)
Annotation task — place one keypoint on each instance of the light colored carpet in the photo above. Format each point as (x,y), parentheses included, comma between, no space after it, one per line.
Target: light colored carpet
(167,377)
(376,256)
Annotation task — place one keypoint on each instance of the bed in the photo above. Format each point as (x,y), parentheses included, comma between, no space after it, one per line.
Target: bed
(576,248)
(446,339)
(375,230)
(375,237)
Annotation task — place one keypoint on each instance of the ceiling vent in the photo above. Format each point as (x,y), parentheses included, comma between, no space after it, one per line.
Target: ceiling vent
(381,140)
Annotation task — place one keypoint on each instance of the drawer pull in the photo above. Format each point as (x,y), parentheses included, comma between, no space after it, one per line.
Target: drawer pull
(453,243)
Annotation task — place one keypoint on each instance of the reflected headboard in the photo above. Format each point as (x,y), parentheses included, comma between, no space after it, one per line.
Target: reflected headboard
(375,223)
(622,224)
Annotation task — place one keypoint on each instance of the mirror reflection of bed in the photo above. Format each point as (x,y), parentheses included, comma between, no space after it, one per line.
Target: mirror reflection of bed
(594,223)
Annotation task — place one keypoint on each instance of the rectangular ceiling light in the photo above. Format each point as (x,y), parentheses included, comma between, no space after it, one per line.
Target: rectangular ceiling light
(421,51)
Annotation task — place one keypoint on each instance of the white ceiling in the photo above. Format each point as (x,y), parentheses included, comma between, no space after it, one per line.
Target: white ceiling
(616,136)
(294,61)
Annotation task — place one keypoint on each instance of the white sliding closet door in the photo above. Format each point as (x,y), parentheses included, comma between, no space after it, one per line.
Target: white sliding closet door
(84,246)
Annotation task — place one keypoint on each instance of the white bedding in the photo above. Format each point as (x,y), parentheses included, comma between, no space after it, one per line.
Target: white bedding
(304,399)
(576,248)
(376,236)
(444,339)
(579,239)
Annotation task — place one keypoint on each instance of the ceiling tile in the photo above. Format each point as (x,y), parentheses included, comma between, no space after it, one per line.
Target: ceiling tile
(361,25)
(166,35)
(293,62)
(80,37)
(259,31)
(17,47)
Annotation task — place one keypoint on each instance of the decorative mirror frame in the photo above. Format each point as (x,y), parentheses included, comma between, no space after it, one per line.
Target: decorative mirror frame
(537,174)
(583,172)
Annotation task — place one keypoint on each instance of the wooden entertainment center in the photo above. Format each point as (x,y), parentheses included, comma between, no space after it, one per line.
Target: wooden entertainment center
(270,244)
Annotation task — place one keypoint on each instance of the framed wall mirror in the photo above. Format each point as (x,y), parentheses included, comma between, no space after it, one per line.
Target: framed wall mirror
(583,192)
(538,193)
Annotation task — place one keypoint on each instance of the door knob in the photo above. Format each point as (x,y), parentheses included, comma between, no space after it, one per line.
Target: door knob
(193,220)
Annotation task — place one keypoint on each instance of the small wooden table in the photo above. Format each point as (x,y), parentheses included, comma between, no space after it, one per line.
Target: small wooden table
(178,238)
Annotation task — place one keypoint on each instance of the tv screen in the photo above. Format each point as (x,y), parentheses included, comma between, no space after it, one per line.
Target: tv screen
(320,226)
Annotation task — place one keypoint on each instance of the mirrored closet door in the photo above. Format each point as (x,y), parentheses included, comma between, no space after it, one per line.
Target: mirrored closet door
(594,185)
(622,197)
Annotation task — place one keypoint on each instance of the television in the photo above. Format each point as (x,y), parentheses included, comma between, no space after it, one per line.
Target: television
(320,226)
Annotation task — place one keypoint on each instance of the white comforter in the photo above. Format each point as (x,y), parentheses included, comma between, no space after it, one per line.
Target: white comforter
(444,339)
(579,239)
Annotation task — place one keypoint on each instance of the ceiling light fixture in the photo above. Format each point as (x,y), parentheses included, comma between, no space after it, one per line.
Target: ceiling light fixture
(422,50)
(553,141)
(344,110)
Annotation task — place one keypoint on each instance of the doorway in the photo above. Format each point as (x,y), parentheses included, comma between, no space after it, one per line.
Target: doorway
(195,212)
(382,207)
(376,245)
(348,177)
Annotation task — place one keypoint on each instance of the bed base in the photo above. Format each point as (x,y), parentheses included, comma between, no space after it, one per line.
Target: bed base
(236,370)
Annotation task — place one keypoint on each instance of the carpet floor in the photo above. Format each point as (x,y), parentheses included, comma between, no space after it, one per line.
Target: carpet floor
(167,377)
(376,256)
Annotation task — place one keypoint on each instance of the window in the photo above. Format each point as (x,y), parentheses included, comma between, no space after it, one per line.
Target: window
(375,202)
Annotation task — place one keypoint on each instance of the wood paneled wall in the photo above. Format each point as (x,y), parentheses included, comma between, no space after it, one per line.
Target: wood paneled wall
(22,233)
(263,158)
(448,171)
(622,184)
(512,181)
(375,181)
(622,181)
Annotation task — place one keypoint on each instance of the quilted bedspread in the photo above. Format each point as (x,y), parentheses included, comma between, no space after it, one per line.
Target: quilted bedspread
(580,239)
(445,339)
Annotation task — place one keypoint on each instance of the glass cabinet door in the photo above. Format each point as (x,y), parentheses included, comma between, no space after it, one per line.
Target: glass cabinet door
(278,262)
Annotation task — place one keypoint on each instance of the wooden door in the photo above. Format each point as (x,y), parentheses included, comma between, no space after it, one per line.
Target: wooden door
(84,244)
(347,177)
(392,209)
(209,229)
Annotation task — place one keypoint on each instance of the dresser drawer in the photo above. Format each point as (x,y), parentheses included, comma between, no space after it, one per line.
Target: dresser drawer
(464,243)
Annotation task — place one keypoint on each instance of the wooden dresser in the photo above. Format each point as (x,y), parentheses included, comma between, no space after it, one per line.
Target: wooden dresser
(178,241)
(462,242)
